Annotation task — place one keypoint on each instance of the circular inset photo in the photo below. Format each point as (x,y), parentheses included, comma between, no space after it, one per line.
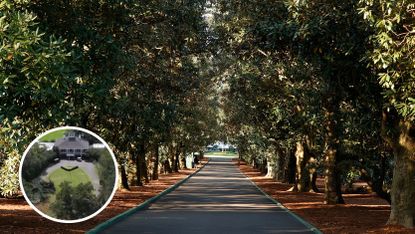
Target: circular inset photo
(68,174)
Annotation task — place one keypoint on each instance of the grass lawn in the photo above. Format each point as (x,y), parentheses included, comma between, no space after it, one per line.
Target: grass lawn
(53,136)
(218,153)
(75,177)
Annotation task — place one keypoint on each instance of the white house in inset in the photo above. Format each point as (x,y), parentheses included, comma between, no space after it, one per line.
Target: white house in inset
(71,146)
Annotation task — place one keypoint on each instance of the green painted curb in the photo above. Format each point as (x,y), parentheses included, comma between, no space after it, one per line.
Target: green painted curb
(298,218)
(102,226)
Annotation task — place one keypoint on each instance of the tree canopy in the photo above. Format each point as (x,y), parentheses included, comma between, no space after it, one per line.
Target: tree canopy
(304,89)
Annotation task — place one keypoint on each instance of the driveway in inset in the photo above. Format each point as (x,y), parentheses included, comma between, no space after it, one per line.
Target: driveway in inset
(87,167)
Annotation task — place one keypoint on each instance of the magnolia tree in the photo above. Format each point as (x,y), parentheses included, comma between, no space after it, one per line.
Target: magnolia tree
(393,59)
(34,84)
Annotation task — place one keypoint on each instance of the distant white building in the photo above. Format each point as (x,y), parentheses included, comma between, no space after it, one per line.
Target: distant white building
(98,146)
(220,146)
(71,146)
(46,145)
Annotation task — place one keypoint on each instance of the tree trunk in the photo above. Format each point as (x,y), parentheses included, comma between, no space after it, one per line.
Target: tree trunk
(264,166)
(403,182)
(145,170)
(270,169)
(280,165)
(156,162)
(141,165)
(313,182)
(332,183)
(377,184)
(376,181)
(332,192)
(176,161)
(271,159)
(124,179)
(138,166)
(183,161)
(290,171)
(167,166)
(302,176)
(338,185)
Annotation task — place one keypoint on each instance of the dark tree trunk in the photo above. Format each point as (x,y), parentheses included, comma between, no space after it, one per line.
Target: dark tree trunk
(264,169)
(138,167)
(183,161)
(141,165)
(332,183)
(124,179)
(313,182)
(156,162)
(281,165)
(402,141)
(176,161)
(291,167)
(145,170)
(377,180)
(338,184)
(167,167)
(332,192)
(377,184)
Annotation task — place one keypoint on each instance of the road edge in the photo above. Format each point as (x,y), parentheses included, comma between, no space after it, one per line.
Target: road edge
(102,226)
(298,218)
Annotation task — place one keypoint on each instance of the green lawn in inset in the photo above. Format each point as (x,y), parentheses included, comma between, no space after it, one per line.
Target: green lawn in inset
(75,177)
(52,136)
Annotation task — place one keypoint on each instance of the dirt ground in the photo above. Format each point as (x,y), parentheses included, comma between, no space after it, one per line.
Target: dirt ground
(16,216)
(362,213)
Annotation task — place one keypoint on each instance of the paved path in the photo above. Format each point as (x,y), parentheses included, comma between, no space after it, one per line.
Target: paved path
(219,199)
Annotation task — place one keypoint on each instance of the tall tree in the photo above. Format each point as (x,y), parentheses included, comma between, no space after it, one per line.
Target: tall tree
(33,75)
(392,57)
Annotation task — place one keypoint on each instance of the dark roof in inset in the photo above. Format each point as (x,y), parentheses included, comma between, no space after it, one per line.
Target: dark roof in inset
(72,143)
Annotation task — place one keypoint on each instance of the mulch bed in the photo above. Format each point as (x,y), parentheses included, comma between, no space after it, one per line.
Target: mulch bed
(16,216)
(362,213)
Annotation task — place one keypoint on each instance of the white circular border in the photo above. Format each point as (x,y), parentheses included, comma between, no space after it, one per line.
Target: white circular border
(61,220)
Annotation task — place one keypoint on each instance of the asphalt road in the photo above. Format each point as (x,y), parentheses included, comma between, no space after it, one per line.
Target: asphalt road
(219,199)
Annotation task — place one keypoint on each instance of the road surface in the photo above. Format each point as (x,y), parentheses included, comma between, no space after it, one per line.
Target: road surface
(218,199)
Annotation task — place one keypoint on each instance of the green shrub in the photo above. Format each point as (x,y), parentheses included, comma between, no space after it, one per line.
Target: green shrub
(106,173)
(9,178)
(37,160)
(93,154)
(75,202)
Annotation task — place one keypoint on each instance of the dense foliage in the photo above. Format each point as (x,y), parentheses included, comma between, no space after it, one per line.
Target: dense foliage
(137,73)
(36,161)
(106,173)
(323,88)
(305,89)
(75,202)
